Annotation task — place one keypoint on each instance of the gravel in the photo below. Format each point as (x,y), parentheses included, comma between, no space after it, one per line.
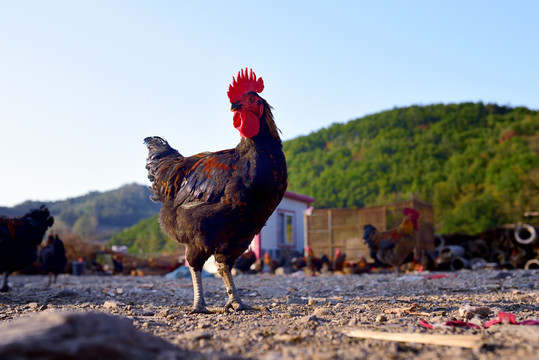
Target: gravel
(305,317)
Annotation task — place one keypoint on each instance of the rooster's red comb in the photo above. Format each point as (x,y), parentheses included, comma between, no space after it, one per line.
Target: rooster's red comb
(245,82)
(412,212)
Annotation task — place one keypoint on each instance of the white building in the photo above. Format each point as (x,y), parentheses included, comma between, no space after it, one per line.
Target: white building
(285,229)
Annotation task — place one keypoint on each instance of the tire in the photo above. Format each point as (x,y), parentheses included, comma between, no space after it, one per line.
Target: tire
(522,230)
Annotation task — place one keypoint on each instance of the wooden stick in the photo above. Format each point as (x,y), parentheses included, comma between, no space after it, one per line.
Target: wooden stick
(464,341)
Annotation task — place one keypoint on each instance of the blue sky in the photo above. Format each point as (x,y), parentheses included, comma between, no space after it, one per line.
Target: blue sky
(83,82)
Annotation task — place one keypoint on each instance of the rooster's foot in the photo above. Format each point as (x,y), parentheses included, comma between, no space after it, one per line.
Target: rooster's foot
(199,309)
(235,306)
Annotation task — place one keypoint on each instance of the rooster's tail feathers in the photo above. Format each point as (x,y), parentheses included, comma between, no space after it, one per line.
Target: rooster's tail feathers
(158,149)
(368,232)
(159,146)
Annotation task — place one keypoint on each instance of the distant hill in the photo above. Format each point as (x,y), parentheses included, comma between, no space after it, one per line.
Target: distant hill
(96,216)
(144,238)
(477,164)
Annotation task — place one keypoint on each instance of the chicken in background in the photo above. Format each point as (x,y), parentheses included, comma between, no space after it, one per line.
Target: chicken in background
(394,247)
(298,263)
(215,203)
(337,264)
(19,239)
(314,265)
(359,267)
(53,257)
(258,267)
(271,263)
(245,261)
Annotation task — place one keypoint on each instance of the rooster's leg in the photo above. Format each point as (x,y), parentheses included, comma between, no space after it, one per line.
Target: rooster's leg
(234,300)
(199,304)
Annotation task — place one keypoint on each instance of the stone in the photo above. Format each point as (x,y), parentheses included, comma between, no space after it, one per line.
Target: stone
(322,312)
(110,304)
(83,335)
(310,319)
(468,312)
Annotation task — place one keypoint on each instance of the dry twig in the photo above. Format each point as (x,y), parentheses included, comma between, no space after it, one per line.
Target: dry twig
(464,341)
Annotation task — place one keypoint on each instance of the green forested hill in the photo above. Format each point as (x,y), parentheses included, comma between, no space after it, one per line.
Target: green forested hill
(145,237)
(96,215)
(477,164)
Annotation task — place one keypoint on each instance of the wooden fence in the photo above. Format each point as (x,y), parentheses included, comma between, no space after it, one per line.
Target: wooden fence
(329,229)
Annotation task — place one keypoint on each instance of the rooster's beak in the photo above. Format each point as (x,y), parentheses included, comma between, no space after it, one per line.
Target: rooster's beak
(235,106)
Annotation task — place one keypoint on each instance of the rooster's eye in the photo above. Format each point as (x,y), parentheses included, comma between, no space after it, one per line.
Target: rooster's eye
(251,99)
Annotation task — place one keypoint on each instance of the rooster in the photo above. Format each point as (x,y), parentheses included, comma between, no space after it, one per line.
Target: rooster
(215,203)
(393,247)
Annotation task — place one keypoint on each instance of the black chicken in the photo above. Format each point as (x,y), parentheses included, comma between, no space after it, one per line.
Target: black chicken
(245,261)
(53,257)
(215,203)
(19,239)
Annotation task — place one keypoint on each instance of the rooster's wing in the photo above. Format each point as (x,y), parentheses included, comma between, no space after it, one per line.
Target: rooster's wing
(203,178)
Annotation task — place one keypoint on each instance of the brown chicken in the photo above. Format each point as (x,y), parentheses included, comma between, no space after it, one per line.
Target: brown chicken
(337,264)
(358,267)
(271,263)
(394,247)
(313,264)
(215,203)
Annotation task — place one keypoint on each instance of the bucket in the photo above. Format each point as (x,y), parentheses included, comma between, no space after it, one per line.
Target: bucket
(78,268)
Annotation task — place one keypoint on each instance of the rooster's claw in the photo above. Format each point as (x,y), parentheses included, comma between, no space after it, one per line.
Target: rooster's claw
(200,310)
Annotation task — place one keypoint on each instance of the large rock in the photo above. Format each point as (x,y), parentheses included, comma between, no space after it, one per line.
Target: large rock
(83,335)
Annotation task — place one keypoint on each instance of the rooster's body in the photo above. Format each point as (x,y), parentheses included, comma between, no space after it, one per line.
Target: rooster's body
(393,247)
(215,203)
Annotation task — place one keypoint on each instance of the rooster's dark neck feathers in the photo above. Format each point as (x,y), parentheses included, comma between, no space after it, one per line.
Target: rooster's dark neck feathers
(268,134)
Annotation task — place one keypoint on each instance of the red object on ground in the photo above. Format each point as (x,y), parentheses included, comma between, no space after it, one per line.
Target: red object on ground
(503,317)
(423,323)
(439,276)
(459,323)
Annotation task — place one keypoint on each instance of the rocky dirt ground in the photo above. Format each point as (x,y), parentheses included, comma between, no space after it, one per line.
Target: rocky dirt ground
(306,317)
